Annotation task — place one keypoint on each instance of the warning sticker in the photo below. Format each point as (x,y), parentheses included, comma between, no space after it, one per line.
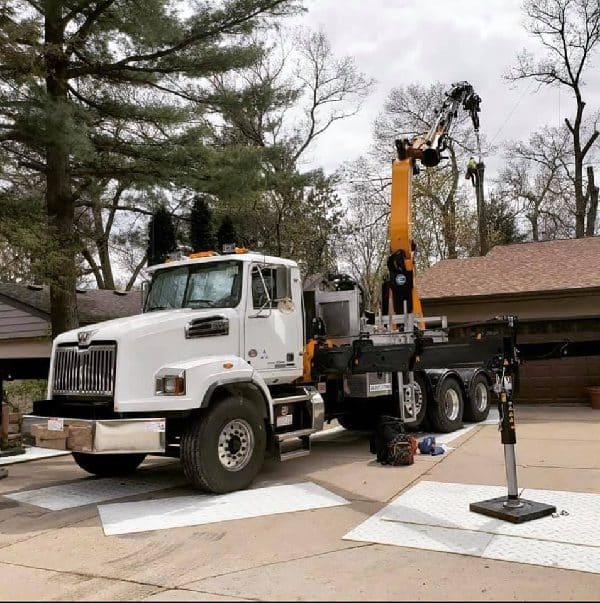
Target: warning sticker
(155,426)
(56,424)
(380,387)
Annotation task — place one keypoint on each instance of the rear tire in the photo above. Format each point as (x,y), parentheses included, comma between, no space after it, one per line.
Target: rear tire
(223,449)
(108,465)
(445,411)
(477,406)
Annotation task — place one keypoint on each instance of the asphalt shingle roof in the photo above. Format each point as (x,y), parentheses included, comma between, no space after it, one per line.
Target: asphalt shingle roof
(518,268)
(94,305)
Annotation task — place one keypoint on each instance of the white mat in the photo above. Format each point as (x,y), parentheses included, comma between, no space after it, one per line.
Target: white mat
(436,516)
(32,453)
(124,518)
(94,490)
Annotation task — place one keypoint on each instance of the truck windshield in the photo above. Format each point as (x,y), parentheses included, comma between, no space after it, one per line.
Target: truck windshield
(210,285)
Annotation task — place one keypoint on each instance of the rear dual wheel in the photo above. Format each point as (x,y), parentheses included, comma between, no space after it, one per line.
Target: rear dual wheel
(477,407)
(445,412)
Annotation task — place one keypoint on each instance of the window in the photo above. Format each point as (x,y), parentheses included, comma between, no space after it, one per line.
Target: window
(210,285)
(264,286)
(214,286)
(167,289)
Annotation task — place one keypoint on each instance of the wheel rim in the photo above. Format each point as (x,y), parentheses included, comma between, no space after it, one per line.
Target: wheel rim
(481,397)
(236,445)
(451,404)
(418,401)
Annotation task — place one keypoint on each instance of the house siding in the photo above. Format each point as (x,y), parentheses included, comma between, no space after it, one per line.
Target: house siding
(16,323)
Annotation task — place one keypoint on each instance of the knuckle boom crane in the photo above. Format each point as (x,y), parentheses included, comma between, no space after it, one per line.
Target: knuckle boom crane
(427,148)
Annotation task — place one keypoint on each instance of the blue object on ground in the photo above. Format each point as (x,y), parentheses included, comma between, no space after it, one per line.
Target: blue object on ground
(426,445)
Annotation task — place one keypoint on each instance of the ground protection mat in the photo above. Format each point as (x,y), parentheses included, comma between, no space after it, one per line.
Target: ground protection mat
(32,454)
(436,516)
(163,513)
(94,490)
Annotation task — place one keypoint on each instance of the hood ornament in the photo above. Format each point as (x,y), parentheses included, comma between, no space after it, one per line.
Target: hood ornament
(84,338)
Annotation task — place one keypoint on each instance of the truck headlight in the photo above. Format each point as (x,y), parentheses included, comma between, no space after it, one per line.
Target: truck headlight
(170,385)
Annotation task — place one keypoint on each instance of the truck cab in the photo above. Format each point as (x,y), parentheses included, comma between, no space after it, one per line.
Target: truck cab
(219,335)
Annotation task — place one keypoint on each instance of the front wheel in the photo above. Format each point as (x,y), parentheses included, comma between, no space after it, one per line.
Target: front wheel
(108,465)
(446,410)
(223,449)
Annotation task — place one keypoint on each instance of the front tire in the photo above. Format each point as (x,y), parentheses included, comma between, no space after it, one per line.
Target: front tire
(223,449)
(446,410)
(477,407)
(108,465)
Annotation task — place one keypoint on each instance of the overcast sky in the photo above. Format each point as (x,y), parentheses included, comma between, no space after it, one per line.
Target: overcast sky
(404,41)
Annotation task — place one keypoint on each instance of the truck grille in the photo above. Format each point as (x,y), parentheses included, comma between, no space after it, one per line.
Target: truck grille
(84,371)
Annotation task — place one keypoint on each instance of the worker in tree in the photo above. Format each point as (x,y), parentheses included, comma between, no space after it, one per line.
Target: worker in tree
(471,173)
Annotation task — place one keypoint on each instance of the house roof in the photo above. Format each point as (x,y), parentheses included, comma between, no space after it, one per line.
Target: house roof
(94,305)
(518,268)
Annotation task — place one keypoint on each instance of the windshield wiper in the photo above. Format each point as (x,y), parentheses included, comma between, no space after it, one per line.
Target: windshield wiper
(158,308)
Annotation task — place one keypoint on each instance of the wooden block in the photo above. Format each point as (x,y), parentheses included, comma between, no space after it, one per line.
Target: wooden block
(41,431)
(55,443)
(14,417)
(80,438)
(14,428)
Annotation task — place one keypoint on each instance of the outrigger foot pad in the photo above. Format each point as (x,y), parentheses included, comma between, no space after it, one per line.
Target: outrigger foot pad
(515,510)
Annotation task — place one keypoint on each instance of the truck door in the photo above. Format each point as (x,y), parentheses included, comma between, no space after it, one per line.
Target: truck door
(274,337)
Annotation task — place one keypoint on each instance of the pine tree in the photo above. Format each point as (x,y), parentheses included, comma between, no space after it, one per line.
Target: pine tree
(201,225)
(226,235)
(161,236)
(114,90)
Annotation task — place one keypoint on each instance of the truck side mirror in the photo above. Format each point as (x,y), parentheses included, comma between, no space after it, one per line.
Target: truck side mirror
(144,291)
(283,286)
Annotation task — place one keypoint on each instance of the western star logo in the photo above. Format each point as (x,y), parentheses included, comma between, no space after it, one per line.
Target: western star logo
(84,337)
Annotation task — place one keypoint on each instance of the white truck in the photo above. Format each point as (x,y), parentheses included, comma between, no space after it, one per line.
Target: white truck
(219,367)
(233,356)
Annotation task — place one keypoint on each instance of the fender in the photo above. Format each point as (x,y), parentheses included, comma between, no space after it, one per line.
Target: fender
(202,376)
(468,374)
(436,377)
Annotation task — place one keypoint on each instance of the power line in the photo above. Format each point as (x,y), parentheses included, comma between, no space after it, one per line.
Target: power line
(502,126)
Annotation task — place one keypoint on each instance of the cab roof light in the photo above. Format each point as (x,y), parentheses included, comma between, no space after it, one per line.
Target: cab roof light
(201,254)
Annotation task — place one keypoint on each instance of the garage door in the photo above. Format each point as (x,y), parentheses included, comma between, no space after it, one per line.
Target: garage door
(558,380)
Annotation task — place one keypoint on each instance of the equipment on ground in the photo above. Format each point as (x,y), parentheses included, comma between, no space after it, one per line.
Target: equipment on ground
(511,507)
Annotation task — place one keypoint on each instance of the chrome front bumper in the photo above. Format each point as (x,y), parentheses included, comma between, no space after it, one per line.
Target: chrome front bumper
(109,436)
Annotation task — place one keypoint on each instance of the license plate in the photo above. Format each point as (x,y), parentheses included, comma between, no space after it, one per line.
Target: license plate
(284,420)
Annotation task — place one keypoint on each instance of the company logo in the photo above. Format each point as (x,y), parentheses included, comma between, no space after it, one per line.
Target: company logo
(400,280)
(84,337)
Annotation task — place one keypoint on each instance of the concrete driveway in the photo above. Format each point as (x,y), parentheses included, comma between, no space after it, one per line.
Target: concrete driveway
(64,555)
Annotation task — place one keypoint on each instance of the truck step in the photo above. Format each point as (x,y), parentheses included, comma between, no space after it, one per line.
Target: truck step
(290,399)
(292,447)
(293,454)
(290,435)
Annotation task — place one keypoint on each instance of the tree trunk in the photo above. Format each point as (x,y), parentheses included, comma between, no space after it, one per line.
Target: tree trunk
(60,205)
(101,240)
(580,200)
(592,197)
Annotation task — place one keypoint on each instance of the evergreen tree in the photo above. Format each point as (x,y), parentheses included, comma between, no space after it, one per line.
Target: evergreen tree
(161,236)
(114,89)
(226,235)
(201,225)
